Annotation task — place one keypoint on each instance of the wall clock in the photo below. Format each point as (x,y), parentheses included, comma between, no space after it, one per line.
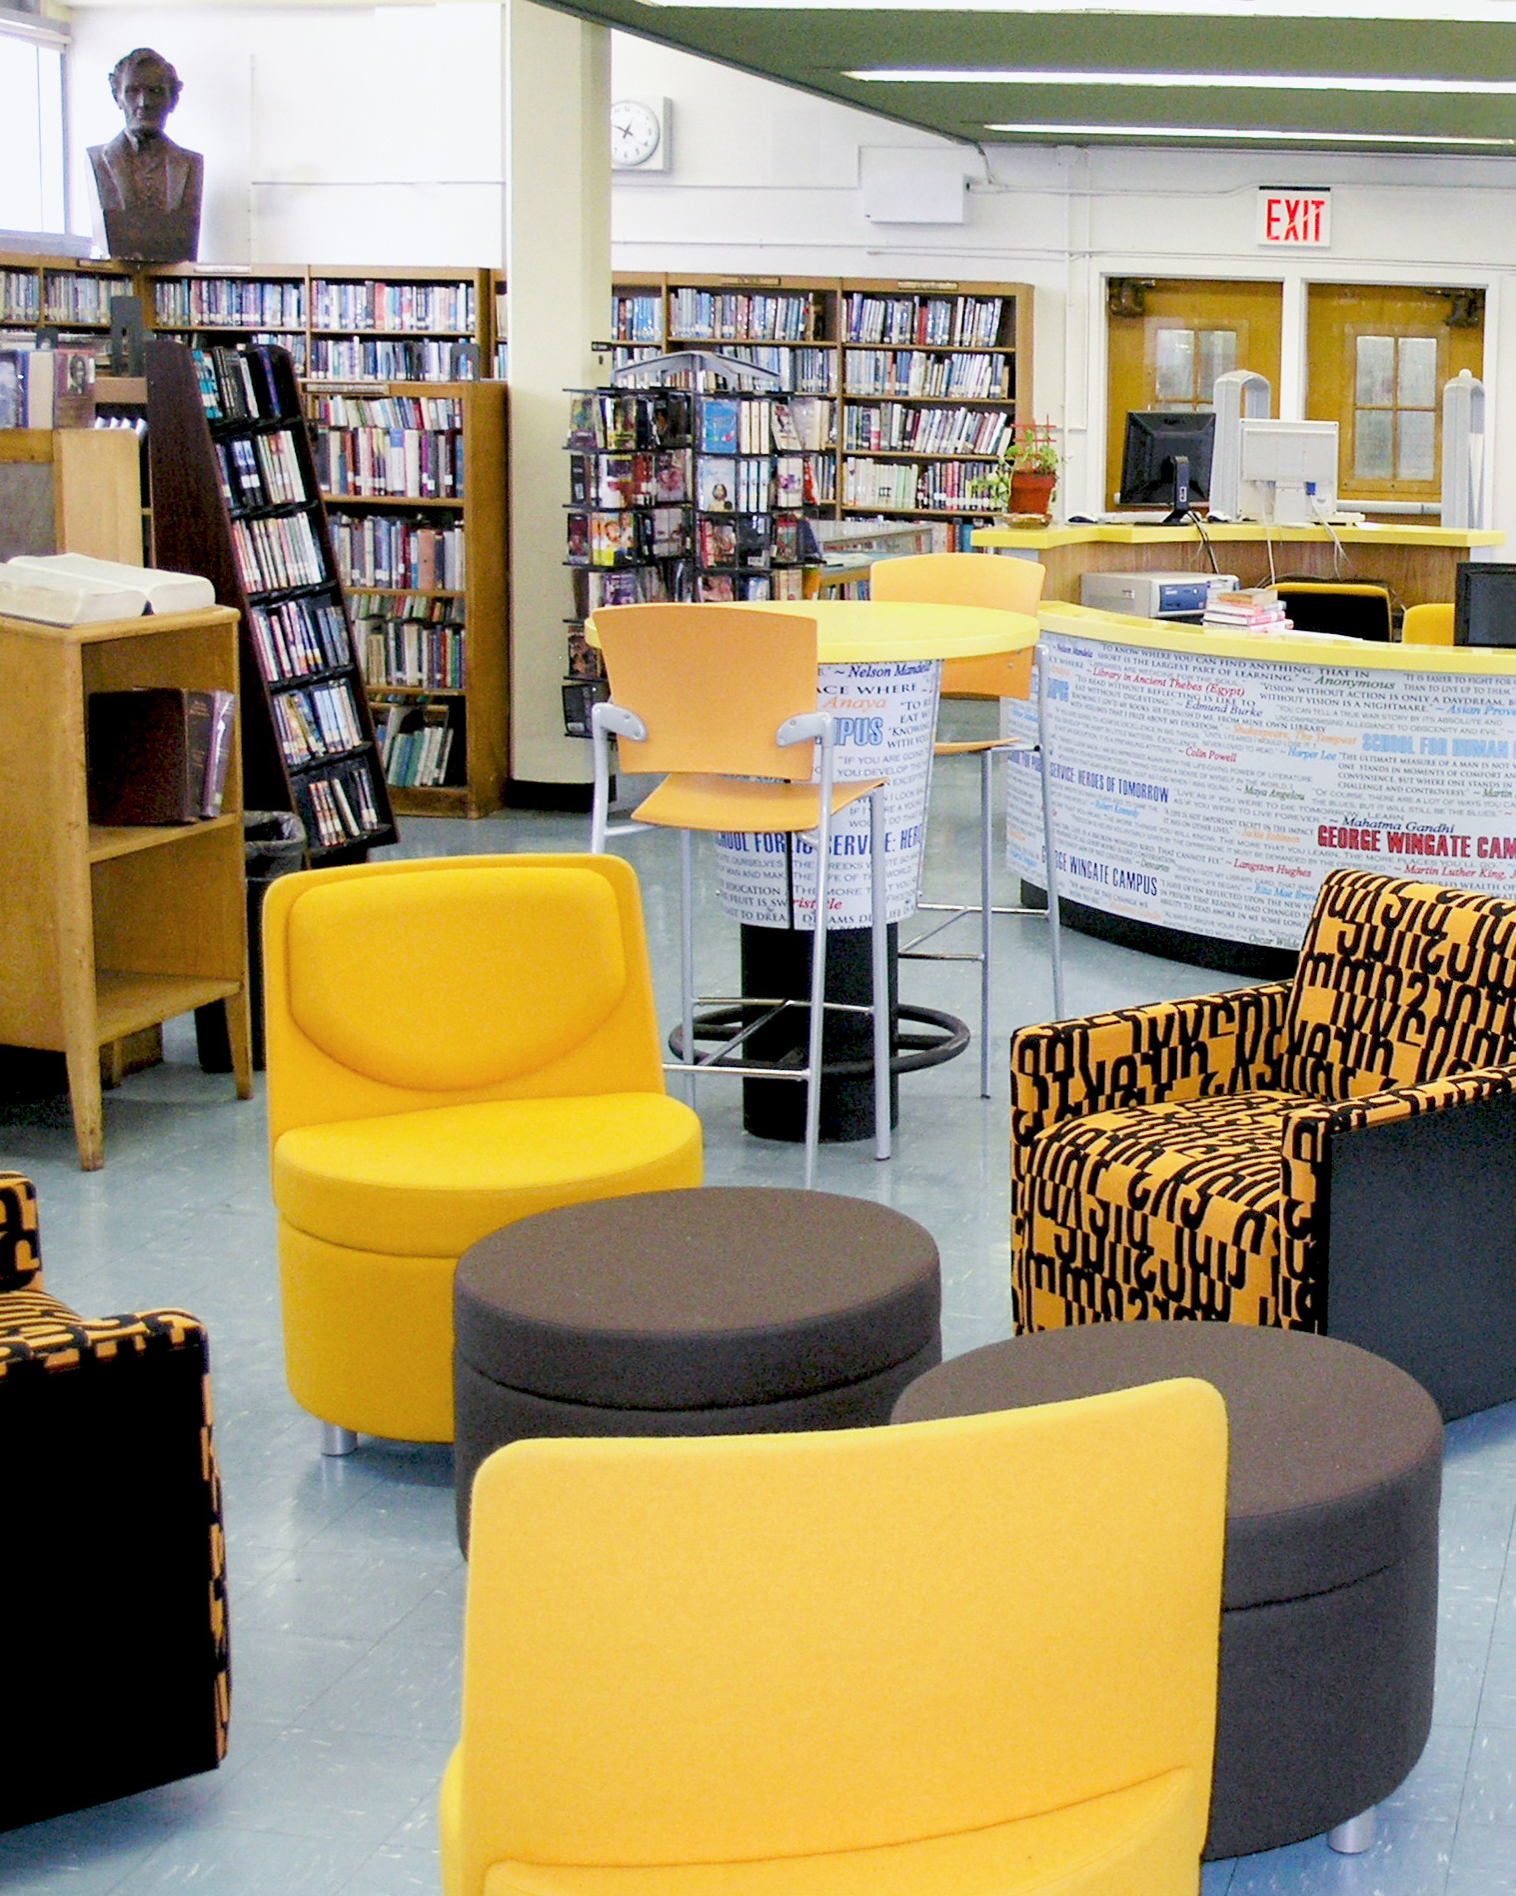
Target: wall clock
(639,136)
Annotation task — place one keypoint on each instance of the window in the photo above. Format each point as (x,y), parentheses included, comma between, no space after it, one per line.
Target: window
(32,169)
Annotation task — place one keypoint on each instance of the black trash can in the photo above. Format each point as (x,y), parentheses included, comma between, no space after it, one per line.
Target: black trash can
(273,845)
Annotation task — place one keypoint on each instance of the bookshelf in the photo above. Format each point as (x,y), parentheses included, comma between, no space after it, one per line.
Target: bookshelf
(105,932)
(414,479)
(73,490)
(235,498)
(916,382)
(69,294)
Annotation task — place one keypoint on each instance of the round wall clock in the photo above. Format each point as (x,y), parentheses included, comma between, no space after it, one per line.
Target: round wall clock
(635,132)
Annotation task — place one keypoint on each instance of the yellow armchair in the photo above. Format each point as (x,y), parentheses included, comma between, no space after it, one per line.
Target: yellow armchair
(452,1044)
(948,1658)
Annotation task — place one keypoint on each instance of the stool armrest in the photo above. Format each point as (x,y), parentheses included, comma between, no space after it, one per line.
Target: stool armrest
(1172,1050)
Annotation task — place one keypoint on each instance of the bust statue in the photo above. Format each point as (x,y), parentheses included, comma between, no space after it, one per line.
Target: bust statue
(149,187)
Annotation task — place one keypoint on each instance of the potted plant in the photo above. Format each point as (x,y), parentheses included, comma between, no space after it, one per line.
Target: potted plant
(1026,475)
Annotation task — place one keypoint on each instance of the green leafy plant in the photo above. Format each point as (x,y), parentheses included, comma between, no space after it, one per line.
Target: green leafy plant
(1032,448)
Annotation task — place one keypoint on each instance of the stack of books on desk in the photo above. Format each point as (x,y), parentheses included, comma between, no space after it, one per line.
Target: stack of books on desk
(1248,609)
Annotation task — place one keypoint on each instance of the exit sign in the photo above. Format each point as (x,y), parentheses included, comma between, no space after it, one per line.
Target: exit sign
(1298,217)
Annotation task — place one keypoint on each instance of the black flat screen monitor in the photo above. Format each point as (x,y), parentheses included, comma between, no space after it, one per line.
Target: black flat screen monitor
(1163,447)
(1484,612)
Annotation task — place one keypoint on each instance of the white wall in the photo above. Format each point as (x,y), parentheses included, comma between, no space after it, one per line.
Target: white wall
(375,136)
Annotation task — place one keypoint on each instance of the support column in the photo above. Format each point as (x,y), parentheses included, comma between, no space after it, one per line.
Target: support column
(558,278)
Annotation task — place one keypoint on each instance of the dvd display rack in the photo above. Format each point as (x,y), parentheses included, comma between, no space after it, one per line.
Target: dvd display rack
(915,384)
(236,498)
(681,494)
(414,479)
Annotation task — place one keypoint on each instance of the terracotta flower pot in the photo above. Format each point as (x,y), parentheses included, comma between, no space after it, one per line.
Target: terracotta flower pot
(1032,493)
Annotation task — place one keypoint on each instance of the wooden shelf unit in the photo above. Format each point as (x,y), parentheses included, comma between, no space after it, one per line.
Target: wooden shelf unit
(478,708)
(200,528)
(105,932)
(652,312)
(70,490)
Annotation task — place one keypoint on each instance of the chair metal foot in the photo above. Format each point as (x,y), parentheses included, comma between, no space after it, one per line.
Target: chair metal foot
(1356,1835)
(336,1440)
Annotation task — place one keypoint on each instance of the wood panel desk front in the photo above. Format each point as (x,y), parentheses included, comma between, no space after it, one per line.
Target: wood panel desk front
(1418,564)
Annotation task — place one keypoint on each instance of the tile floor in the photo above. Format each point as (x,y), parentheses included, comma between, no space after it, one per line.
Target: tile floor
(347,1586)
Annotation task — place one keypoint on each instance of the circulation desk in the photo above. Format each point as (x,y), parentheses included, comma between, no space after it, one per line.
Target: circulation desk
(1418,564)
(879,666)
(1203,783)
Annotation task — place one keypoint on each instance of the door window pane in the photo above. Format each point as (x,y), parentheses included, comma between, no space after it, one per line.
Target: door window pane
(1218,356)
(1373,430)
(1376,371)
(1417,460)
(1417,380)
(1174,381)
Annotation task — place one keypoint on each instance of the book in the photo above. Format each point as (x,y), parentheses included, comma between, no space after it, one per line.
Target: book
(163,591)
(65,599)
(715,484)
(719,424)
(150,754)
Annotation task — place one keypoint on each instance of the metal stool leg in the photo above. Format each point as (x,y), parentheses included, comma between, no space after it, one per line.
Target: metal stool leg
(818,970)
(1356,1835)
(336,1440)
(687,955)
(880,945)
(986,911)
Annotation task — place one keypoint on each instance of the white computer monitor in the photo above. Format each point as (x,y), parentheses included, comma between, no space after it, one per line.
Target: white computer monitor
(1288,471)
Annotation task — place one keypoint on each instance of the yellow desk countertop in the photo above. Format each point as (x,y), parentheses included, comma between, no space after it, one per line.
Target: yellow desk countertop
(885,632)
(1282,648)
(1241,532)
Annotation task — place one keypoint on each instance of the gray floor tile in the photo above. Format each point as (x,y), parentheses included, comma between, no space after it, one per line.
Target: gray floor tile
(1407,1859)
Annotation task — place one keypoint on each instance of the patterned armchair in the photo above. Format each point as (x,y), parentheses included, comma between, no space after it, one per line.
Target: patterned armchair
(113,1592)
(1336,1153)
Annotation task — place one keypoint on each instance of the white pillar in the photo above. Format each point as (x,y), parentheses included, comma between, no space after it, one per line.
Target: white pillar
(558,277)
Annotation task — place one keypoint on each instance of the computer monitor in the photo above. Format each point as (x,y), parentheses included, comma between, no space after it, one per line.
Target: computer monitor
(1288,472)
(1484,610)
(1166,460)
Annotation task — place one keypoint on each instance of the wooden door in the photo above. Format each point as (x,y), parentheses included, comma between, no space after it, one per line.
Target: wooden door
(1377,356)
(1169,340)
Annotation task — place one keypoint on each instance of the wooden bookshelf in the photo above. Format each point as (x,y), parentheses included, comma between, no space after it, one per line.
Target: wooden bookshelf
(235,498)
(73,490)
(106,932)
(434,653)
(895,448)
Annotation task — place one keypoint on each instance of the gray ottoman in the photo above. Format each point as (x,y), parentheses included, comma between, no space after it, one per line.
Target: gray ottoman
(729,1310)
(1329,1605)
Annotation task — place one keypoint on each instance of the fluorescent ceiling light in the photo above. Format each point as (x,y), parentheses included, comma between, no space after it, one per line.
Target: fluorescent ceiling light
(1233,135)
(1486,12)
(1189,81)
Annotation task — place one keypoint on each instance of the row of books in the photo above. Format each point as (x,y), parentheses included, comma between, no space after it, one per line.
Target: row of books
(622,420)
(1247,609)
(746,316)
(420,414)
(970,377)
(388,550)
(637,318)
(236,384)
(228,302)
(631,480)
(800,371)
(936,486)
(647,584)
(730,485)
(804,480)
(339,808)
(46,388)
(402,652)
(337,305)
(894,428)
(625,538)
(296,636)
(159,754)
(20,297)
(277,555)
(260,470)
(380,462)
(68,297)
(748,541)
(382,359)
(722,588)
(958,322)
(415,741)
(316,721)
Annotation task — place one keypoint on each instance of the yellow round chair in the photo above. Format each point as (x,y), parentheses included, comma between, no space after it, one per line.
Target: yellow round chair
(453,1044)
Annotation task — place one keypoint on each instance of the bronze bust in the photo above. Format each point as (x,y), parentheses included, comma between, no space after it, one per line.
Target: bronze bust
(149,187)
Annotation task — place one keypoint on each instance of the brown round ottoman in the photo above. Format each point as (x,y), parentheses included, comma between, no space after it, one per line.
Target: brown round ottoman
(1329,1604)
(728,1310)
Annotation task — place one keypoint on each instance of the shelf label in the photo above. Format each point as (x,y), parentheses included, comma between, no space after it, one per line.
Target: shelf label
(1295,216)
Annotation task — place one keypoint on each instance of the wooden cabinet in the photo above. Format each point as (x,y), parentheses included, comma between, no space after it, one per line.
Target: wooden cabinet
(104,932)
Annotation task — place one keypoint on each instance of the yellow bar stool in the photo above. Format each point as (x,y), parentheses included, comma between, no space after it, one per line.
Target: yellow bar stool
(723,700)
(1011,585)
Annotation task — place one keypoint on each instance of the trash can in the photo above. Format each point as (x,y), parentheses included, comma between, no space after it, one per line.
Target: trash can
(273,845)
